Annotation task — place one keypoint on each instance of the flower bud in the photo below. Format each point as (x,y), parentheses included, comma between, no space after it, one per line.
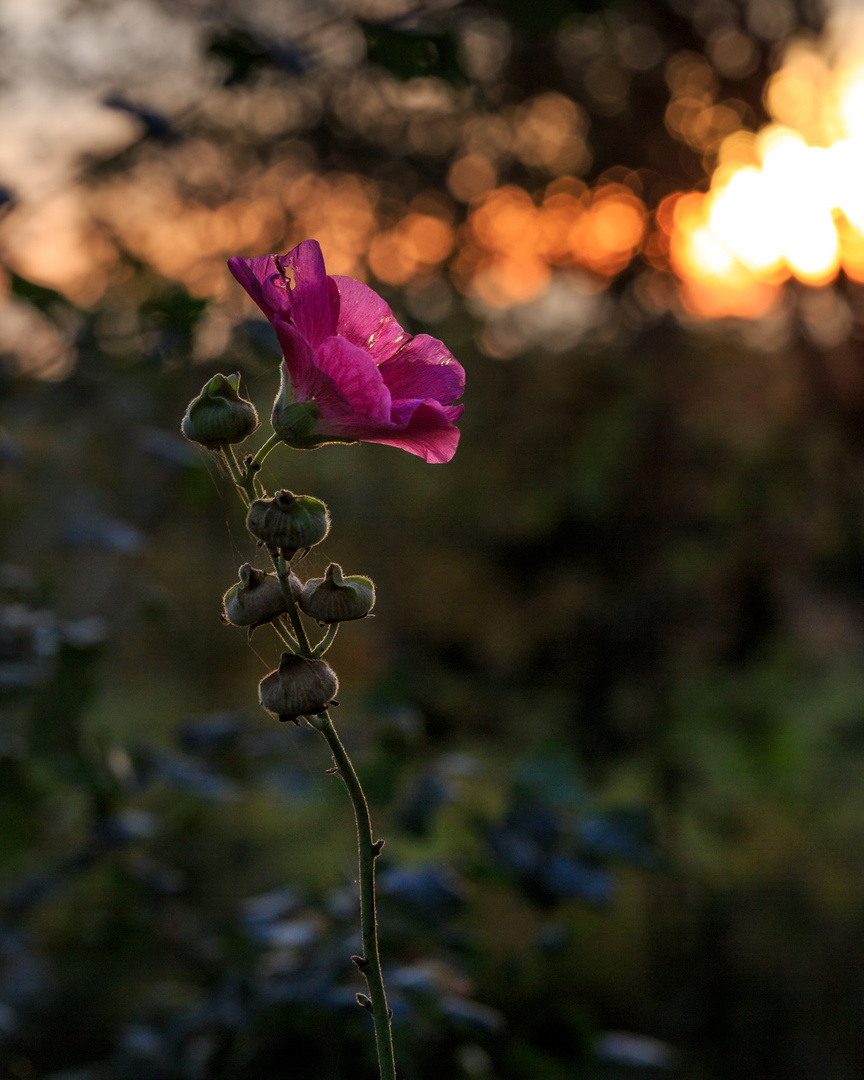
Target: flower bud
(219,416)
(288,521)
(335,598)
(257,598)
(298,687)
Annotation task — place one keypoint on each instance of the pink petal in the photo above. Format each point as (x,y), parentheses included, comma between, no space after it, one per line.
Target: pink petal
(366,320)
(299,359)
(293,286)
(358,380)
(308,382)
(314,301)
(429,431)
(424,368)
(264,281)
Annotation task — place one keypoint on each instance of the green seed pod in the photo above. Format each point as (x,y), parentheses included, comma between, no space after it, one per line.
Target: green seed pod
(298,687)
(288,521)
(257,598)
(335,598)
(219,417)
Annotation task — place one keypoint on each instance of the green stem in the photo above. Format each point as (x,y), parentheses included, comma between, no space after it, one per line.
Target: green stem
(258,459)
(284,572)
(246,476)
(285,637)
(368,852)
(326,641)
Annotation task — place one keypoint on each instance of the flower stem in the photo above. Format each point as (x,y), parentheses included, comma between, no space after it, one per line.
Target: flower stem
(285,637)
(258,459)
(245,476)
(326,641)
(369,850)
(284,572)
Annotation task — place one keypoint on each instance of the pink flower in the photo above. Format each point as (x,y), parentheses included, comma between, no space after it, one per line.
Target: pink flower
(350,371)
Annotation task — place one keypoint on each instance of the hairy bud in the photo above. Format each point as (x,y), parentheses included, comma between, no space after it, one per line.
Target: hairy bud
(298,687)
(219,416)
(288,521)
(335,598)
(257,598)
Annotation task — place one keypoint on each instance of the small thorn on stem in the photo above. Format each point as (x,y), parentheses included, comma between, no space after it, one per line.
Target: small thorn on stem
(389,1014)
(331,772)
(361,962)
(364,1002)
(376,848)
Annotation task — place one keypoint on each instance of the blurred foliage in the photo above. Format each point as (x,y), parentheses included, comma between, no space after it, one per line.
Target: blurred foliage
(608,713)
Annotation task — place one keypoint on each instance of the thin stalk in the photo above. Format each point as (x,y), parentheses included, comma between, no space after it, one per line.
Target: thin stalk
(326,641)
(284,572)
(285,637)
(234,469)
(246,474)
(262,453)
(368,850)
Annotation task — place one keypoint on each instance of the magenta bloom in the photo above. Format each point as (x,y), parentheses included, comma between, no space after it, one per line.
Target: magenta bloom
(350,370)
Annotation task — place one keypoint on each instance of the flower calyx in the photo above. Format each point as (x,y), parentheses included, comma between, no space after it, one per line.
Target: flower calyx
(298,687)
(335,598)
(257,598)
(219,416)
(296,422)
(288,522)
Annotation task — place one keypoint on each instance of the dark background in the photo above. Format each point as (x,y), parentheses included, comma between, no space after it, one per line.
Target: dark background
(609,710)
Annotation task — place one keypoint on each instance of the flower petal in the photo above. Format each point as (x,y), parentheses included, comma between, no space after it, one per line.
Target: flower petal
(359,382)
(366,320)
(314,301)
(299,360)
(428,430)
(424,368)
(264,281)
(293,286)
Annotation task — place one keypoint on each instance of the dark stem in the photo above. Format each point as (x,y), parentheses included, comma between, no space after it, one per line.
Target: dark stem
(283,570)
(326,641)
(368,852)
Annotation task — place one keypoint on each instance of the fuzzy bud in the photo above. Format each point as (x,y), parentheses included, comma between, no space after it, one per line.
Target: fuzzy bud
(288,521)
(219,416)
(257,598)
(335,598)
(298,687)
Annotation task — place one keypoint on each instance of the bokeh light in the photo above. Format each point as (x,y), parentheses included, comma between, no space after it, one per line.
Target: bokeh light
(517,207)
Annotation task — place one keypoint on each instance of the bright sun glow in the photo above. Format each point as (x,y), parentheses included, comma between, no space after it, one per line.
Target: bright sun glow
(788,202)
